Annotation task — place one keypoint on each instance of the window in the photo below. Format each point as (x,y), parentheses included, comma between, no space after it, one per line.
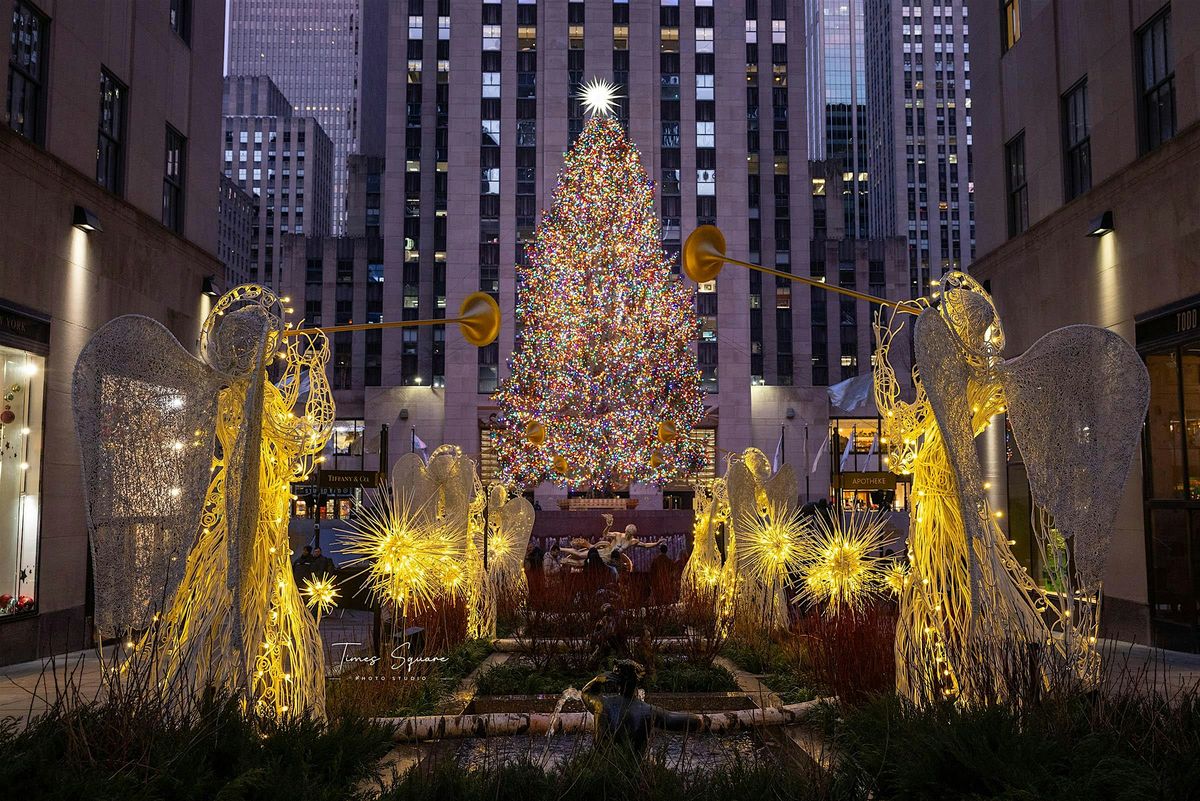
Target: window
(1077,148)
(23,373)
(27,71)
(110,142)
(1010,23)
(181,19)
(173,177)
(1157,84)
(1018,196)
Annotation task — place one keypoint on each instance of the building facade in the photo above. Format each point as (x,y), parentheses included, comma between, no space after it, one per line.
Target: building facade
(483,105)
(837,99)
(282,160)
(919,130)
(329,59)
(1088,165)
(109,153)
(237,217)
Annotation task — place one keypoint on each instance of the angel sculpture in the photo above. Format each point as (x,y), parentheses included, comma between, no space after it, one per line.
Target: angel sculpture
(764,527)
(187,466)
(971,617)
(498,561)
(702,572)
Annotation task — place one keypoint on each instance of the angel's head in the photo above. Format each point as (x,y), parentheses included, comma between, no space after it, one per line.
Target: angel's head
(757,463)
(238,339)
(968,310)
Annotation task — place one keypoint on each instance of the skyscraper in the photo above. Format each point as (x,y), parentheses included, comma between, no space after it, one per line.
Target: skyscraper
(284,161)
(919,132)
(328,59)
(484,103)
(837,100)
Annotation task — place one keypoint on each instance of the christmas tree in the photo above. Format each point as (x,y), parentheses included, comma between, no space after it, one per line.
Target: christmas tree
(604,388)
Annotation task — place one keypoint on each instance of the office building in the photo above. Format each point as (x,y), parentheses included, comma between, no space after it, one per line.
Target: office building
(484,105)
(330,60)
(284,161)
(237,218)
(109,157)
(919,129)
(1088,163)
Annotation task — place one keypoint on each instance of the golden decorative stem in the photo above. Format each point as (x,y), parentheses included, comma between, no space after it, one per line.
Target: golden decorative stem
(334,329)
(813,282)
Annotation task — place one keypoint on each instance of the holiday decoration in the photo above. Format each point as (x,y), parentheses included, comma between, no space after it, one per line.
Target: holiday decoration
(840,570)
(604,388)
(187,469)
(496,566)
(1076,399)
(320,593)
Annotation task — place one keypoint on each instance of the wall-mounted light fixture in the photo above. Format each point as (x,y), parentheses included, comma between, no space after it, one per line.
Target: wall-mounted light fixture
(209,287)
(404,414)
(1101,225)
(85,220)
(791,413)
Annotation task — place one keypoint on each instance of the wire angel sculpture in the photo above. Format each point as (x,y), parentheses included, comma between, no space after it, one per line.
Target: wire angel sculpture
(497,563)
(763,519)
(187,466)
(702,573)
(970,615)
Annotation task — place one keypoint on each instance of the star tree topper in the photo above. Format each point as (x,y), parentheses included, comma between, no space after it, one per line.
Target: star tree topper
(599,97)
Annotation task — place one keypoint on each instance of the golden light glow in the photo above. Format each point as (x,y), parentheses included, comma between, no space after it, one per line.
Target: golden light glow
(840,570)
(599,97)
(320,593)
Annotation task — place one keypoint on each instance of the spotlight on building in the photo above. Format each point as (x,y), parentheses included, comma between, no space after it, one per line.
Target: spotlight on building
(1101,225)
(209,287)
(86,220)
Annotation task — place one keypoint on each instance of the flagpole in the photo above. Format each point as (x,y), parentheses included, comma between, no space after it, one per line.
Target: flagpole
(783,444)
(414,439)
(807,473)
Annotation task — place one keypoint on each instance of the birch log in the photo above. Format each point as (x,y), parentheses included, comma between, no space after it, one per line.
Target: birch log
(507,724)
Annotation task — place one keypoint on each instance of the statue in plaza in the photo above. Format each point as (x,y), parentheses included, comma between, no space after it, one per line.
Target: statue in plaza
(971,617)
(187,466)
(621,718)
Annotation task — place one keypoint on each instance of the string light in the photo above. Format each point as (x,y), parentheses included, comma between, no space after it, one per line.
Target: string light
(605,354)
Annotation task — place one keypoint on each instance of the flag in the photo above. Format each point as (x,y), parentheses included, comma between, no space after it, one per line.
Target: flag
(820,450)
(417,444)
(873,448)
(853,393)
(778,461)
(846,451)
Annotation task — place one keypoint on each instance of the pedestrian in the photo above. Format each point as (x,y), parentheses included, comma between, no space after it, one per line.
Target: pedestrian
(662,577)
(322,565)
(302,568)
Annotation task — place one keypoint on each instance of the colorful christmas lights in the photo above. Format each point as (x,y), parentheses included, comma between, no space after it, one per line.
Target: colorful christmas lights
(605,352)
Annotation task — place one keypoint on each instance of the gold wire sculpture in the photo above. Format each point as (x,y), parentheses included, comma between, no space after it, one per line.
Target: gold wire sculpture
(203,572)
(702,573)
(500,578)
(970,615)
(762,520)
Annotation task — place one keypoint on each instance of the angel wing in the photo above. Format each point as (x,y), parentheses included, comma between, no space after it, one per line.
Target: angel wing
(512,534)
(144,414)
(1076,402)
(411,480)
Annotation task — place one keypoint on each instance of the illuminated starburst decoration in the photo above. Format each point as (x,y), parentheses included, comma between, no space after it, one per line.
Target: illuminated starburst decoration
(599,97)
(406,555)
(770,545)
(896,576)
(320,593)
(840,569)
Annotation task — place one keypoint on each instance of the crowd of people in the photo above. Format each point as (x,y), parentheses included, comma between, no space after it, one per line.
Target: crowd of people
(590,567)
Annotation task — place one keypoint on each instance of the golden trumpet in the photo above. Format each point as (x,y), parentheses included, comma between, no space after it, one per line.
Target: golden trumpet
(704,255)
(478,320)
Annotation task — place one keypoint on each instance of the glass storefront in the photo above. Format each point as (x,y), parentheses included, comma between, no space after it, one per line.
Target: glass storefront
(22,398)
(1170,344)
(859,471)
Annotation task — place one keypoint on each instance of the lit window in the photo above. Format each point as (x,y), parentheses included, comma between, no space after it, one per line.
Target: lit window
(491,84)
(1010,22)
(704,40)
(491,37)
(779,31)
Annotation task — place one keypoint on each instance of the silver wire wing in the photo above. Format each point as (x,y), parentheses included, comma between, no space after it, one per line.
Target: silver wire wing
(144,414)
(1076,402)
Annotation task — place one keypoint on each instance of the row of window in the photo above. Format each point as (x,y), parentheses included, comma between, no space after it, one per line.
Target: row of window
(26,107)
(1156,122)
